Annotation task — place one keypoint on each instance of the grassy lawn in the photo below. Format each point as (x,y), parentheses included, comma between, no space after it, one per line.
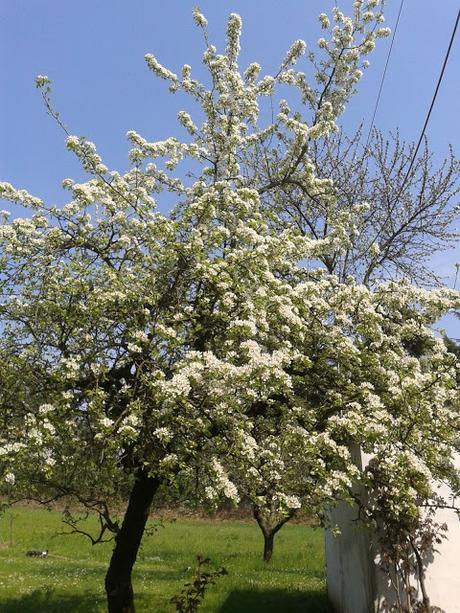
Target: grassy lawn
(71,578)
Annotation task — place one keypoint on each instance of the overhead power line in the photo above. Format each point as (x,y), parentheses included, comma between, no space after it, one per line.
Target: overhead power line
(427,119)
(382,81)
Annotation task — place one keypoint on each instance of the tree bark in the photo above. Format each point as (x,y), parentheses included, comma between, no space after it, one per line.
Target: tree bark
(269,530)
(118,586)
(269,538)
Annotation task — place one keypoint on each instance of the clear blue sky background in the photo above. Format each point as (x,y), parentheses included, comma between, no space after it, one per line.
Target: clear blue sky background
(93,51)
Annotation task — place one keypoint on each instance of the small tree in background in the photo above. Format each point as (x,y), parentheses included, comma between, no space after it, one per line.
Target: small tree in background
(411,216)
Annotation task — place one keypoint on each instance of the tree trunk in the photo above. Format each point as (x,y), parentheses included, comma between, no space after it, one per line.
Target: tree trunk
(269,538)
(118,586)
(269,530)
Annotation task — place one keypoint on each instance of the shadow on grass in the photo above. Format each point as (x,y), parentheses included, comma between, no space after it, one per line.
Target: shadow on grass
(275,601)
(45,601)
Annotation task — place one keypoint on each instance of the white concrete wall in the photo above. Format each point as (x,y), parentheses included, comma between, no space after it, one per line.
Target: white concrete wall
(349,564)
(443,574)
(357,585)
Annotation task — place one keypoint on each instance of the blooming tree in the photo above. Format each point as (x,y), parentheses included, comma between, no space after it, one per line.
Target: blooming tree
(157,345)
(412,216)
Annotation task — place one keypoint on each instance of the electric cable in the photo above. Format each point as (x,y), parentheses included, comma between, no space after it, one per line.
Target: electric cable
(382,81)
(433,100)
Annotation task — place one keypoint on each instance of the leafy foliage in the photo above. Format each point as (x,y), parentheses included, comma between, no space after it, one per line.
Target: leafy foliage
(190,598)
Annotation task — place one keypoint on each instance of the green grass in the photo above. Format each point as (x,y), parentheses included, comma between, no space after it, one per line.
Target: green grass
(71,578)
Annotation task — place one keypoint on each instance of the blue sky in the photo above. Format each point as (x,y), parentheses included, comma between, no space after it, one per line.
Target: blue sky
(93,51)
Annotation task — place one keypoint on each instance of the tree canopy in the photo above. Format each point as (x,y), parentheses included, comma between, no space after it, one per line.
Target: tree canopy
(137,346)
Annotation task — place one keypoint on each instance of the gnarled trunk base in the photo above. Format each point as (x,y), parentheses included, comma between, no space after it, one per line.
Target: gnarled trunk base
(118,586)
